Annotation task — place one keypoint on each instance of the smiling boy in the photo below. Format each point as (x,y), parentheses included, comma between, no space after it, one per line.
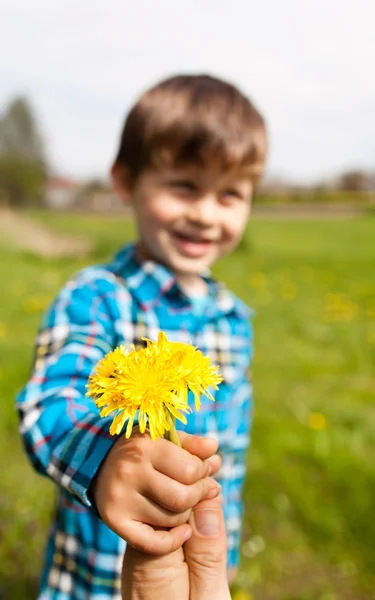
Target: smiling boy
(191,152)
(188,217)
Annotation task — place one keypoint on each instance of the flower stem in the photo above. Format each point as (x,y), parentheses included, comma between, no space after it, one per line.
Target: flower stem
(172,434)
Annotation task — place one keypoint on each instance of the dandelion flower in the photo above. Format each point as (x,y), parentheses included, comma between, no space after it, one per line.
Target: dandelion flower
(151,384)
(3,330)
(317,421)
(192,370)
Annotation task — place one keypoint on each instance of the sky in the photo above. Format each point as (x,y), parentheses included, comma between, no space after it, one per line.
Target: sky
(308,65)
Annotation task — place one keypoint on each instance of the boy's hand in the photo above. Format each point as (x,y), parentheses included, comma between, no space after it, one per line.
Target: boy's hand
(143,486)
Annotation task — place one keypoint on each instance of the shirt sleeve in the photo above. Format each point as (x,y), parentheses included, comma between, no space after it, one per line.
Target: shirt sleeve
(63,433)
(235,450)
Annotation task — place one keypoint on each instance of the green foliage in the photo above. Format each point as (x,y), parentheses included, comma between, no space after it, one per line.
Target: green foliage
(309,529)
(19,135)
(21,182)
(22,164)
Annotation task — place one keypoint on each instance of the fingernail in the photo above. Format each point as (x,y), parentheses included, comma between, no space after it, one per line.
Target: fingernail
(207,522)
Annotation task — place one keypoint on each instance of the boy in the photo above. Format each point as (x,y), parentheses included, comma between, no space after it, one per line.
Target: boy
(191,152)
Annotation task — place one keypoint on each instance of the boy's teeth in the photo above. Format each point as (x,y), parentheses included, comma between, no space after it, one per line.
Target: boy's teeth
(191,239)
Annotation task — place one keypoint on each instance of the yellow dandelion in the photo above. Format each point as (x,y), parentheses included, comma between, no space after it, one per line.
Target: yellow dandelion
(192,370)
(317,421)
(151,384)
(3,330)
(242,595)
(338,307)
(197,374)
(288,290)
(371,310)
(258,280)
(106,371)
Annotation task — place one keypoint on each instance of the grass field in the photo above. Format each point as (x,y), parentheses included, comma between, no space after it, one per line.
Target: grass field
(309,531)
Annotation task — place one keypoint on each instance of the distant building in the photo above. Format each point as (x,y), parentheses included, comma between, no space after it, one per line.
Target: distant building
(60,192)
(97,196)
(274,187)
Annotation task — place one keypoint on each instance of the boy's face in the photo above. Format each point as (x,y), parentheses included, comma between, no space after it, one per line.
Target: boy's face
(188,217)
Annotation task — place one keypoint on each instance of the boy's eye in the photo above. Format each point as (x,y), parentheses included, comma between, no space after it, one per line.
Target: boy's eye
(231,195)
(184,187)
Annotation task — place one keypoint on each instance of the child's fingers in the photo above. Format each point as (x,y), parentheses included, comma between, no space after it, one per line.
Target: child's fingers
(175,496)
(203,447)
(179,464)
(146,539)
(147,511)
(214,463)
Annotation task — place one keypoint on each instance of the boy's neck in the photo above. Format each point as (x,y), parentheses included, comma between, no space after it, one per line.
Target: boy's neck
(192,284)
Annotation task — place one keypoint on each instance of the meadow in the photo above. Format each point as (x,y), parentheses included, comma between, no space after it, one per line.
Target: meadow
(309,530)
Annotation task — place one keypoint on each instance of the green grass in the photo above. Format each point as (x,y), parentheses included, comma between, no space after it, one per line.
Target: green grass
(309,529)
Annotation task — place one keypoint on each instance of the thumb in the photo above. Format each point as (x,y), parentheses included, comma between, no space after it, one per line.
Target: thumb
(206,552)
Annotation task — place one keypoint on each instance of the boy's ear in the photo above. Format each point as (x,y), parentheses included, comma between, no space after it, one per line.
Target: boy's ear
(121,182)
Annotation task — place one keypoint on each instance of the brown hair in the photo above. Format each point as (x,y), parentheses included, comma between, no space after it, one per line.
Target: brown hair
(193,119)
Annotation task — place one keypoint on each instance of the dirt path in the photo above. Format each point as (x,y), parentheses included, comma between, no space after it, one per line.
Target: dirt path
(32,236)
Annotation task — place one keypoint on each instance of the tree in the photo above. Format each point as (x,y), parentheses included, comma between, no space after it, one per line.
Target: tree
(22,162)
(354,181)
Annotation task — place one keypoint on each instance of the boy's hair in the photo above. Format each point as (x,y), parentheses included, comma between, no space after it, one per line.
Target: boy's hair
(193,119)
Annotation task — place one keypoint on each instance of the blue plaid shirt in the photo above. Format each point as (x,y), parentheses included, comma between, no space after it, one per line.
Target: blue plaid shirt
(101,307)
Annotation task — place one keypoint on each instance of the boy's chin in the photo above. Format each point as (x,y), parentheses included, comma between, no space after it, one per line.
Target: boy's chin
(191,268)
(192,265)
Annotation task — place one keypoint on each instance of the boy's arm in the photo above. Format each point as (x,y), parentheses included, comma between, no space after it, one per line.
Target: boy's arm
(137,486)
(62,431)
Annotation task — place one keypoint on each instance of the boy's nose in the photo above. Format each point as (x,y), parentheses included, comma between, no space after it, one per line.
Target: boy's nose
(202,211)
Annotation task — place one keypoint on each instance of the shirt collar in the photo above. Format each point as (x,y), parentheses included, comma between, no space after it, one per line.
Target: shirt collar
(148,281)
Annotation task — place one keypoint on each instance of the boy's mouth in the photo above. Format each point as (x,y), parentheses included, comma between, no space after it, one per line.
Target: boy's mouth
(192,246)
